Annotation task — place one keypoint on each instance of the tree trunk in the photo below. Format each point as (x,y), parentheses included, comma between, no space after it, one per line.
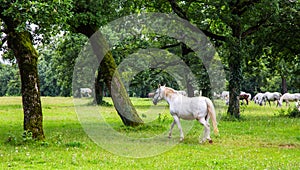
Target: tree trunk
(26,56)
(283,85)
(122,103)
(184,52)
(189,86)
(99,86)
(235,79)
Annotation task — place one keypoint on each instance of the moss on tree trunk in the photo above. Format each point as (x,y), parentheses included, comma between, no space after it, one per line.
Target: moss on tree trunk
(99,85)
(26,56)
(121,100)
(235,79)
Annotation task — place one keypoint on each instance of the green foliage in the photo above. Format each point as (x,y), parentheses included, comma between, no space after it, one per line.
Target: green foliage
(56,64)
(74,144)
(292,112)
(27,137)
(47,17)
(10,83)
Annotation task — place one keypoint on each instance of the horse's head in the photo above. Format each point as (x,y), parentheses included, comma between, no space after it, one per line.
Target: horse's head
(159,94)
(279,103)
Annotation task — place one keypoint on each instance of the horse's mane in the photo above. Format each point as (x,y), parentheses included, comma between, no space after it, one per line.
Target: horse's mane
(169,90)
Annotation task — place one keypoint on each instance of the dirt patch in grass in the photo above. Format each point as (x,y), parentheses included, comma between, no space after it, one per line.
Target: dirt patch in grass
(282,145)
(288,146)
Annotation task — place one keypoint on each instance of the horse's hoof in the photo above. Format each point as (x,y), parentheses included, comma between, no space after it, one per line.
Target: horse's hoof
(210,141)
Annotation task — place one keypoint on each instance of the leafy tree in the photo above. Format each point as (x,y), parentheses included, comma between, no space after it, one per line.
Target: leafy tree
(87,18)
(17,19)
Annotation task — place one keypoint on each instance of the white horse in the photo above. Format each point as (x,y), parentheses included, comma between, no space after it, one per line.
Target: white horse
(85,92)
(268,96)
(225,94)
(188,108)
(289,97)
(257,98)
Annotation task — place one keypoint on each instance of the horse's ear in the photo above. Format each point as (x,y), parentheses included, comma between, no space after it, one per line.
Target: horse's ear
(164,85)
(159,86)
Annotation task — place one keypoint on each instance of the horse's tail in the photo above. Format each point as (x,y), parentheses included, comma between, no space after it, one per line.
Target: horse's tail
(212,113)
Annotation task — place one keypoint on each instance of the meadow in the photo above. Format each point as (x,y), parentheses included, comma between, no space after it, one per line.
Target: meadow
(261,139)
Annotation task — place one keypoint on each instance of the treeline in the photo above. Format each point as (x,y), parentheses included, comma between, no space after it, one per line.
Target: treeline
(57,59)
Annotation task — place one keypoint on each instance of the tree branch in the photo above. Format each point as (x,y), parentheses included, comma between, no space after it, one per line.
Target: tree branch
(170,46)
(256,27)
(214,36)
(179,11)
(182,14)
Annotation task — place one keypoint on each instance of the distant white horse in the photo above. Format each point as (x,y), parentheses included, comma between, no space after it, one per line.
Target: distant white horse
(225,94)
(85,92)
(197,92)
(289,97)
(217,95)
(268,97)
(188,108)
(257,98)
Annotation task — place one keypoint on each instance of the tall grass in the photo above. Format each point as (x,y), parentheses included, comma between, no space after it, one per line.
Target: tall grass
(261,139)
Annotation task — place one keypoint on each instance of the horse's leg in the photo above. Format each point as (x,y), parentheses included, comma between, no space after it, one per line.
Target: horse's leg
(171,129)
(206,132)
(176,120)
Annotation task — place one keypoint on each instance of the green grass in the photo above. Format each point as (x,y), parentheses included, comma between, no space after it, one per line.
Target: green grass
(260,140)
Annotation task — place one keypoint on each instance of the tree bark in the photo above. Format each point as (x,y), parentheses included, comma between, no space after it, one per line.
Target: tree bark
(235,80)
(122,103)
(283,85)
(190,88)
(99,87)
(21,44)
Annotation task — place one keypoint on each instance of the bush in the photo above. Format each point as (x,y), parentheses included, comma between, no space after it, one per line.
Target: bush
(292,112)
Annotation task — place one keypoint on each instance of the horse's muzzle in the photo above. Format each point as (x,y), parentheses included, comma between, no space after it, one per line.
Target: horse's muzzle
(154,102)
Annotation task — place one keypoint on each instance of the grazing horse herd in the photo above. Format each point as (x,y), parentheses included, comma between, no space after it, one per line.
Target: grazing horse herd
(267,97)
(260,98)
